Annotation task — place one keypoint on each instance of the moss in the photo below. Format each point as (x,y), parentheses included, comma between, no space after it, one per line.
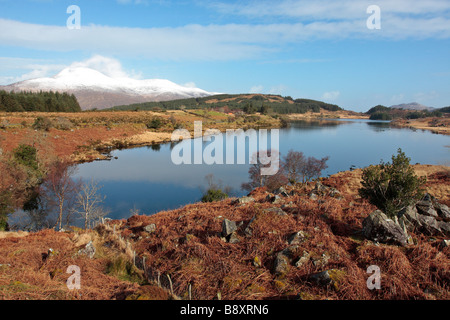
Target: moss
(231,283)
(149,292)
(189,238)
(55,273)
(280,285)
(77,229)
(123,269)
(16,286)
(193,265)
(254,288)
(257,262)
(336,276)
(17,253)
(306,296)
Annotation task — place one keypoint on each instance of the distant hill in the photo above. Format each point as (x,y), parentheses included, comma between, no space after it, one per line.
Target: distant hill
(445,110)
(404,111)
(238,102)
(378,108)
(412,106)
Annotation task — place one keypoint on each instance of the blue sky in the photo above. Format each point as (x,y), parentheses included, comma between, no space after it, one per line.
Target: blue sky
(318,49)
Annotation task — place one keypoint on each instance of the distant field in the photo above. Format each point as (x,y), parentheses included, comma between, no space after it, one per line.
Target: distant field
(81,135)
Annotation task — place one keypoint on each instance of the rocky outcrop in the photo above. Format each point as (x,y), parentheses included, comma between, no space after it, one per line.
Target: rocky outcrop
(379,228)
(323,190)
(88,250)
(297,238)
(274,210)
(243,200)
(150,228)
(229,229)
(283,261)
(427,216)
(331,277)
(303,259)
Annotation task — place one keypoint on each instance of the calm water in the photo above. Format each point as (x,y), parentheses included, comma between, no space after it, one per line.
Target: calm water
(147,180)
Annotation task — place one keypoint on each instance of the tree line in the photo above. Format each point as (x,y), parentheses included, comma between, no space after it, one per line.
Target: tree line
(257,103)
(47,101)
(381,112)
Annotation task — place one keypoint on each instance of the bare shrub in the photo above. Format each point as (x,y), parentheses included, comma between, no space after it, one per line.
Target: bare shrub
(298,168)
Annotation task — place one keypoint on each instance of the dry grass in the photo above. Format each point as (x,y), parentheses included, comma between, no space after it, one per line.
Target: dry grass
(187,246)
(186,253)
(18,234)
(94,131)
(342,114)
(435,125)
(437,180)
(29,272)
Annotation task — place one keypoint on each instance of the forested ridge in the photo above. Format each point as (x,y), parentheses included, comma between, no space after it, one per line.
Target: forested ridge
(248,103)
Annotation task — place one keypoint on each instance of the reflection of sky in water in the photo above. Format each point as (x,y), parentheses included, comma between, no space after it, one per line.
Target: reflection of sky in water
(145,179)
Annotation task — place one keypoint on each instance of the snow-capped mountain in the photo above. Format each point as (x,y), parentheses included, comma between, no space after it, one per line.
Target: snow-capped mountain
(94,89)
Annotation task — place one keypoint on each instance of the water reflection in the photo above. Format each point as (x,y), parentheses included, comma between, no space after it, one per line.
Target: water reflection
(378,126)
(146,179)
(315,124)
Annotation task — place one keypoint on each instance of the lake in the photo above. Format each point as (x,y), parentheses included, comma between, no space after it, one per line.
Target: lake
(145,179)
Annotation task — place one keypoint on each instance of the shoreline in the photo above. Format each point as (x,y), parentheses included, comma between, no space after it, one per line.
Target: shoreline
(188,246)
(435,125)
(96,133)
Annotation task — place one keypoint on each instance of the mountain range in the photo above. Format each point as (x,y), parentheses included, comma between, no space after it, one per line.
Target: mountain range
(412,106)
(94,89)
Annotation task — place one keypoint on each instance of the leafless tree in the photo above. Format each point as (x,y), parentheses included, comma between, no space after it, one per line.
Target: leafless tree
(88,203)
(212,184)
(298,168)
(60,188)
(257,179)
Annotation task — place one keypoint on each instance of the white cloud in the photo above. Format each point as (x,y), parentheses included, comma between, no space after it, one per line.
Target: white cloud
(329,20)
(33,68)
(278,89)
(190,85)
(330,9)
(398,98)
(426,97)
(256,89)
(108,66)
(26,68)
(331,96)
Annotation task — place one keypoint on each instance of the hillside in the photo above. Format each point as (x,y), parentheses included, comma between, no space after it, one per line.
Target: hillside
(404,111)
(412,106)
(288,246)
(249,103)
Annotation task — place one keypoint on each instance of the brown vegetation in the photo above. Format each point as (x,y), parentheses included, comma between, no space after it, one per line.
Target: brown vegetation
(184,251)
(341,114)
(186,246)
(83,136)
(437,180)
(433,124)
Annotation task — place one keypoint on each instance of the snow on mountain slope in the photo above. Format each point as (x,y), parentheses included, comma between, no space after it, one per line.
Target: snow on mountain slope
(94,89)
